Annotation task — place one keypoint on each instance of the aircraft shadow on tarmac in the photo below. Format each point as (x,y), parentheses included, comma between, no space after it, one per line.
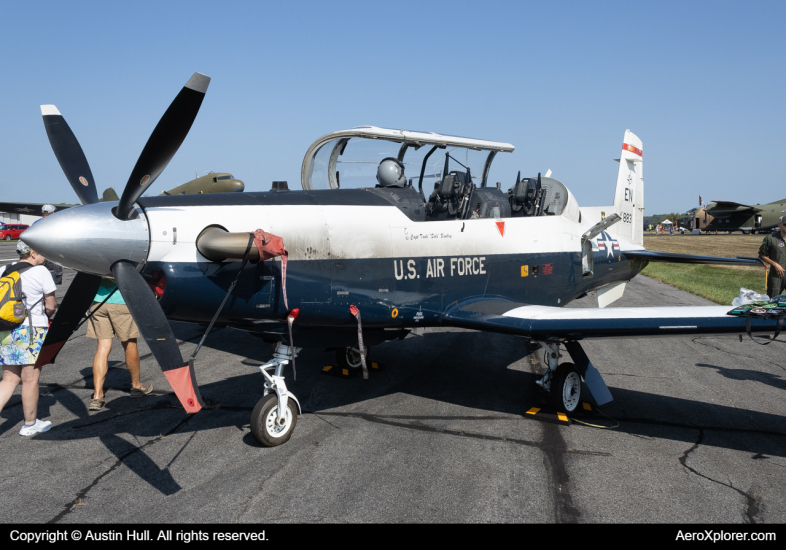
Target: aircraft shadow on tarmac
(745,374)
(477,373)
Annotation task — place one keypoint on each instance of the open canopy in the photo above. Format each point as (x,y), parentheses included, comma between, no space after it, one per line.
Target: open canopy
(320,163)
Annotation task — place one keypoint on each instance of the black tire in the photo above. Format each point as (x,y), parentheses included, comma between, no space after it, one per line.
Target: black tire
(267,433)
(8,237)
(349,358)
(566,388)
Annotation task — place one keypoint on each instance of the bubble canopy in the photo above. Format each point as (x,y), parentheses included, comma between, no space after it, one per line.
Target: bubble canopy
(349,158)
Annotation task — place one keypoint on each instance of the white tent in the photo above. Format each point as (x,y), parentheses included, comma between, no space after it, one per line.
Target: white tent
(665,222)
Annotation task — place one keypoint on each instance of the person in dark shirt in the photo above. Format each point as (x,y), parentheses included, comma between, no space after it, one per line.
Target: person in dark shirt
(773,253)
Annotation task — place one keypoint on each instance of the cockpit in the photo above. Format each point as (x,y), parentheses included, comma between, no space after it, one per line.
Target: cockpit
(428,176)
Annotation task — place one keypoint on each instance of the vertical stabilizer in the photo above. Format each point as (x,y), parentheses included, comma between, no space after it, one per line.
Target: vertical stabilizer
(629,195)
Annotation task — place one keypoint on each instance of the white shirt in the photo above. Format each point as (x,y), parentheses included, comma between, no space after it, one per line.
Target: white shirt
(36,281)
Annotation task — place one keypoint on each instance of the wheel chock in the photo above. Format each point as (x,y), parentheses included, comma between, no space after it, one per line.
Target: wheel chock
(556,417)
(550,416)
(338,372)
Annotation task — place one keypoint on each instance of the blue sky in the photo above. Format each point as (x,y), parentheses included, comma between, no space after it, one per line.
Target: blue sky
(701,83)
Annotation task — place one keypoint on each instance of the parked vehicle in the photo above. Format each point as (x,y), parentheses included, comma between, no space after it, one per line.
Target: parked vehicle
(11,231)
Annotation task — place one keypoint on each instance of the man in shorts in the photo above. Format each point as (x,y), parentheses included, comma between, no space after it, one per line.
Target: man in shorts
(110,320)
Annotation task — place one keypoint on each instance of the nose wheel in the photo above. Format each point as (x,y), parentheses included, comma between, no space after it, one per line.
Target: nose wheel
(275,415)
(267,427)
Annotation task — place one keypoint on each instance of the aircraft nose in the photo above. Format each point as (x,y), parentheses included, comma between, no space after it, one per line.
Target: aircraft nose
(90,238)
(238,186)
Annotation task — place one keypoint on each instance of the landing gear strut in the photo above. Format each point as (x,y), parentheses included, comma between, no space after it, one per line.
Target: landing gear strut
(275,415)
(562,381)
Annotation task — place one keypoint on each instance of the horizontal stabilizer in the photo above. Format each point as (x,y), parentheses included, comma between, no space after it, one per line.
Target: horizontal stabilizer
(671,257)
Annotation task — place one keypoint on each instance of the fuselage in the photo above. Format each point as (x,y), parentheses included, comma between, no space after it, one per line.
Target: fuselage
(351,248)
(345,247)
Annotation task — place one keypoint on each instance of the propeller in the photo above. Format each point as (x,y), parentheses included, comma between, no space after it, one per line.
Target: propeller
(76,301)
(158,334)
(164,142)
(69,154)
(168,135)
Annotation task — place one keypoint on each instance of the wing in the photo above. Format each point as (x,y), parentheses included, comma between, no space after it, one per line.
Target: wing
(33,209)
(728,208)
(544,322)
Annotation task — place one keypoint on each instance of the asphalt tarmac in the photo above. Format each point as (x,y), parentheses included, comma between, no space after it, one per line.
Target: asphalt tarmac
(696,433)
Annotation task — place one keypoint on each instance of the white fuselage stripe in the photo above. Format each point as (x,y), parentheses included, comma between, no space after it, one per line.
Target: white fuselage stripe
(319,232)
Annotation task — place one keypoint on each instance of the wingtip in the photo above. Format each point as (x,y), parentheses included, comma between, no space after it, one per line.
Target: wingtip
(198,82)
(49,110)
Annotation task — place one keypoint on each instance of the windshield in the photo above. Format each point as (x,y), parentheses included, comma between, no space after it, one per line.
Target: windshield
(357,165)
(356,161)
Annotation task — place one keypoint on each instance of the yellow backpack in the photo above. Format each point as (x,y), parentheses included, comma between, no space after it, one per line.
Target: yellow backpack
(12,306)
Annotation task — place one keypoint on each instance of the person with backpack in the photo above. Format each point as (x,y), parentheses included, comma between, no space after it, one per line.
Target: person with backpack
(20,345)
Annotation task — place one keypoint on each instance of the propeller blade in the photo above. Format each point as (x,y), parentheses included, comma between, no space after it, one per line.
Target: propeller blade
(155,329)
(518,177)
(76,301)
(69,154)
(164,142)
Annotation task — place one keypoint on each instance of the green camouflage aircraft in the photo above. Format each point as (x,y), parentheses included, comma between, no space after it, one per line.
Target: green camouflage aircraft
(212,182)
(732,216)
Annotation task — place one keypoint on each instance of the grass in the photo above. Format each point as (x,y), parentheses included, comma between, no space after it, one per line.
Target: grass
(720,284)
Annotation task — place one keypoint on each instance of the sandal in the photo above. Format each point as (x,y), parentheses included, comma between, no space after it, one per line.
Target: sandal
(96,404)
(144,390)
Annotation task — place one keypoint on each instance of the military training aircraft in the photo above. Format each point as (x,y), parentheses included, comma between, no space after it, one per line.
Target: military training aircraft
(362,255)
(732,216)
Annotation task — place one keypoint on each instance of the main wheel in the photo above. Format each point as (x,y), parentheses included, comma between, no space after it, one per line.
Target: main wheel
(264,421)
(349,358)
(8,237)
(566,388)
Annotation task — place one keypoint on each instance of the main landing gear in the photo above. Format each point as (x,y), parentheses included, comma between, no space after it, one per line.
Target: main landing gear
(562,381)
(349,358)
(275,416)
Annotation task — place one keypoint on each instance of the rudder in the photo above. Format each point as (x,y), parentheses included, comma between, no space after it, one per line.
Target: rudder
(629,194)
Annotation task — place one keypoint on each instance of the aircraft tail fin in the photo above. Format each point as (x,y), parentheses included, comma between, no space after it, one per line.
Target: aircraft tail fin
(629,195)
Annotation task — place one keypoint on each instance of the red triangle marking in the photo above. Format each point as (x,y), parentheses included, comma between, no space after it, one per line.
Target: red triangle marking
(501,227)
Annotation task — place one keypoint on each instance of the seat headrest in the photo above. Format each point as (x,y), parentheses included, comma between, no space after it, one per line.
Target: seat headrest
(448,186)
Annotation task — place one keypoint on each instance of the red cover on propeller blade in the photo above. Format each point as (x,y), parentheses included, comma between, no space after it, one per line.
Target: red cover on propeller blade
(180,380)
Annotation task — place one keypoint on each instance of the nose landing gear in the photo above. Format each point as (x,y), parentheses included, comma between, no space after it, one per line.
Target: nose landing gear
(274,417)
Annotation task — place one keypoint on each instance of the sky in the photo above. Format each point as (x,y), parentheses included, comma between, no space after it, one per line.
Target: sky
(701,83)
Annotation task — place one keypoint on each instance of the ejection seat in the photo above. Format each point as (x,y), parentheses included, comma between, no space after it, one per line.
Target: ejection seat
(444,202)
(538,197)
(525,197)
